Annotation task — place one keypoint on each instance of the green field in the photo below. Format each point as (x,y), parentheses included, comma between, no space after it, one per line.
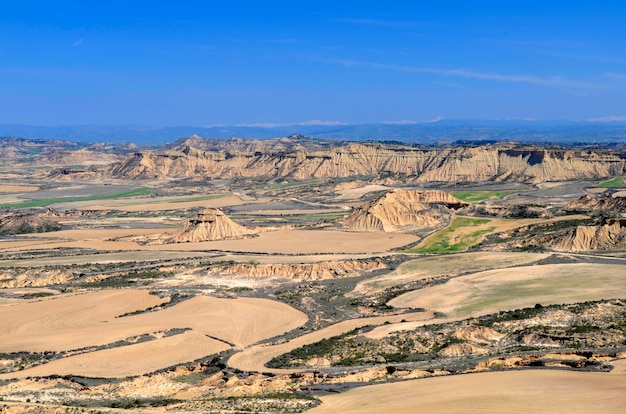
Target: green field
(48,201)
(476,196)
(617,182)
(441,241)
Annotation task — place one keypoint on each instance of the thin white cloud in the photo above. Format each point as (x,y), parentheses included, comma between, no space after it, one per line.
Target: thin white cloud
(436,119)
(324,123)
(78,42)
(554,81)
(609,119)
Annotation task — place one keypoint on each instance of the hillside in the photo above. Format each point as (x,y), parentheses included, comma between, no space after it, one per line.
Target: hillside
(402,210)
(450,164)
(608,236)
(210,224)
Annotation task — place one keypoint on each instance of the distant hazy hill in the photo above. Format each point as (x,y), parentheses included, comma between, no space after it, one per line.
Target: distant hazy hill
(445,131)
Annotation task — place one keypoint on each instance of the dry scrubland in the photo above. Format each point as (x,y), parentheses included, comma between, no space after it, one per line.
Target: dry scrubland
(108,313)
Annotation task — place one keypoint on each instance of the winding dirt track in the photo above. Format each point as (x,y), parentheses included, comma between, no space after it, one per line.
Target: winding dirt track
(531,391)
(255,357)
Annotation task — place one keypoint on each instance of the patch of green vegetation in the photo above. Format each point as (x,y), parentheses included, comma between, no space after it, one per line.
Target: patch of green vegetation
(188,199)
(48,201)
(440,242)
(476,196)
(617,182)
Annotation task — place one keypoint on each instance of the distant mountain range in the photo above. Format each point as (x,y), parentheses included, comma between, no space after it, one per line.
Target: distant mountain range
(427,133)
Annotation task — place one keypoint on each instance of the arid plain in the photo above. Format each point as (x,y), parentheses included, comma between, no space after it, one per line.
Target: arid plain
(295,274)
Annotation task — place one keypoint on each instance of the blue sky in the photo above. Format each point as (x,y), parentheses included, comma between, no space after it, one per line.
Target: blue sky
(217,62)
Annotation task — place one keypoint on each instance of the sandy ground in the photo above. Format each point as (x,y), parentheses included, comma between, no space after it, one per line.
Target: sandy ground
(530,391)
(121,257)
(507,289)
(452,265)
(84,320)
(80,321)
(160,204)
(278,242)
(7,188)
(354,193)
(131,360)
(255,358)
(36,324)
(302,242)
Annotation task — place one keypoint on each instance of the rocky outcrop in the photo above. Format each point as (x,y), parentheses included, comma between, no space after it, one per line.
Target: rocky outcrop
(301,271)
(209,224)
(26,223)
(608,236)
(602,203)
(402,210)
(501,162)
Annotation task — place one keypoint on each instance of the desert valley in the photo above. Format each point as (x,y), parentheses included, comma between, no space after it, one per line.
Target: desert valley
(297,274)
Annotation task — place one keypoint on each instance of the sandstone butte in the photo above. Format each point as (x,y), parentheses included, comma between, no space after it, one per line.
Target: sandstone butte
(608,236)
(453,164)
(404,210)
(210,224)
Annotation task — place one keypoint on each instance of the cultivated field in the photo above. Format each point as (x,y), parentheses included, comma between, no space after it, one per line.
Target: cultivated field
(507,289)
(101,311)
(542,391)
(449,265)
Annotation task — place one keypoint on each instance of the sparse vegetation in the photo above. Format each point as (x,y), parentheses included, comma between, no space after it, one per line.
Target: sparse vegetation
(476,196)
(47,202)
(442,242)
(617,182)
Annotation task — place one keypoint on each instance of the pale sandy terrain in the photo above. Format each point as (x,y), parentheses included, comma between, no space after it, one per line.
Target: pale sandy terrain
(353,193)
(279,242)
(131,360)
(255,358)
(41,324)
(507,289)
(531,391)
(92,234)
(294,212)
(8,188)
(451,265)
(302,242)
(80,321)
(160,203)
(118,257)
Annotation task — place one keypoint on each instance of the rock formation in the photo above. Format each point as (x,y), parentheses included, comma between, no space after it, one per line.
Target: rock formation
(609,236)
(301,271)
(402,210)
(210,224)
(26,223)
(604,203)
(500,162)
